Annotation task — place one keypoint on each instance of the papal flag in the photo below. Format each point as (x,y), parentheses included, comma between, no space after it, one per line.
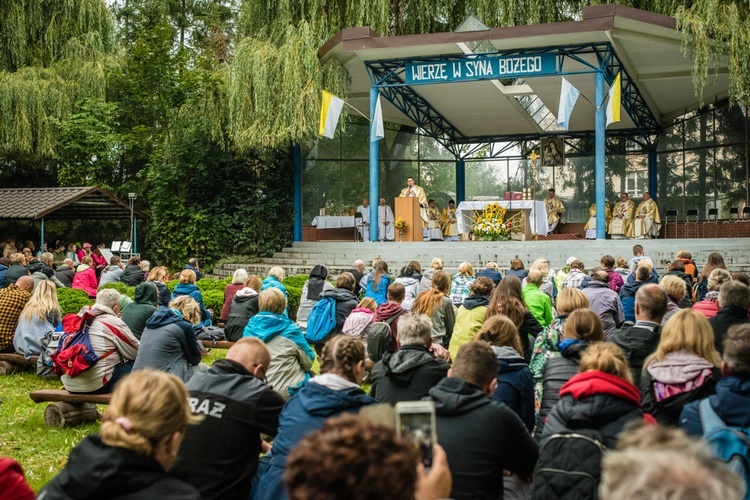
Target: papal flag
(376,130)
(614,104)
(568,97)
(330,110)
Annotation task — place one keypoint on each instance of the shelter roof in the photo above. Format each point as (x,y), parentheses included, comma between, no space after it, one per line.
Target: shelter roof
(647,47)
(68,203)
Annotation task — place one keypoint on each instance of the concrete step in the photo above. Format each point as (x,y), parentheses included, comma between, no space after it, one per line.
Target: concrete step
(339,256)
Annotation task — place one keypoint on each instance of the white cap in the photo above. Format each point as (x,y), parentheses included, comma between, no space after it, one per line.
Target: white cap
(570,261)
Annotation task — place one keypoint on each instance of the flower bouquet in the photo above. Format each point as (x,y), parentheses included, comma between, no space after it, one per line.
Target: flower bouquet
(400,223)
(491,224)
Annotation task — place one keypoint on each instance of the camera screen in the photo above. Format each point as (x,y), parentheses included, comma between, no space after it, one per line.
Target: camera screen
(417,427)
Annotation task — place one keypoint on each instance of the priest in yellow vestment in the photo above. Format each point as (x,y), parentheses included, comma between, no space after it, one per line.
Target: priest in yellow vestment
(647,222)
(450,222)
(590,226)
(555,210)
(621,225)
(413,191)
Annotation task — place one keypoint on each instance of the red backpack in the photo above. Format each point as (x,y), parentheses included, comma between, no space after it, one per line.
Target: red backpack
(75,354)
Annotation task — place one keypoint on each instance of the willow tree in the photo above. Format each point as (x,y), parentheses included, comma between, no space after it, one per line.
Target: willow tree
(276,78)
(53,56)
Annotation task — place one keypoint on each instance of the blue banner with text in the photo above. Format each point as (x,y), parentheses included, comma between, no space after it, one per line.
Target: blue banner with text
(481,68)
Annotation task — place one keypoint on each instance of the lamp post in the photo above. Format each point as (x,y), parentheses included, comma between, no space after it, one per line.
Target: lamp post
(132,197)
(534,157)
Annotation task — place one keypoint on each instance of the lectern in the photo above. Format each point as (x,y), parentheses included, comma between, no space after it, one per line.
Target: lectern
(409,210)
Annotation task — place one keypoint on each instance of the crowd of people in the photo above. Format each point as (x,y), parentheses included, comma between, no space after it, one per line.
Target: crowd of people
(533,375)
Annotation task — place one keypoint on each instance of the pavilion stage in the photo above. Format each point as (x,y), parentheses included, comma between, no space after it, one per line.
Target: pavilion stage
(339,256)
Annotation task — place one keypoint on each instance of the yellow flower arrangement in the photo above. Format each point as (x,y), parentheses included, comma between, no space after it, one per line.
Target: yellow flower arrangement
(491,224)
(400,223)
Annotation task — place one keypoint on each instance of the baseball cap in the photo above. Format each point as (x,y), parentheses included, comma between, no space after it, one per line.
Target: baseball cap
(570,261)
(87,245)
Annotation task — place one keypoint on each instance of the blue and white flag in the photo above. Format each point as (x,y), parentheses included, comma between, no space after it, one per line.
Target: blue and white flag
(376,129)
(568,97)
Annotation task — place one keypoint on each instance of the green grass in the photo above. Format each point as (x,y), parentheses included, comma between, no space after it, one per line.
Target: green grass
(41,450)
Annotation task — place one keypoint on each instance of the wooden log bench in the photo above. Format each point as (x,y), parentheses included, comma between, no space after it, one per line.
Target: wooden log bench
(219,344)
(14,363)
(68,409)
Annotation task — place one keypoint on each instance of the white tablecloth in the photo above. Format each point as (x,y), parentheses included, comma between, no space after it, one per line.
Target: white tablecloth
(537,210)
(333,221)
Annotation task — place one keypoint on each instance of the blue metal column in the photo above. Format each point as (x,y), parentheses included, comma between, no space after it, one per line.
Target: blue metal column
(374,171)
(460,181)
(41,243)
(297,159)
(600,122)
(652,172)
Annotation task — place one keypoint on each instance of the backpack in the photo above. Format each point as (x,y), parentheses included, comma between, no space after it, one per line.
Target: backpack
(569,465)
(75,354)
(322,320)
(379,336)
(49,343)
(729,444)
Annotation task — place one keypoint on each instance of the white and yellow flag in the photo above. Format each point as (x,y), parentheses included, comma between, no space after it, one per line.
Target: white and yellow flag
(614,104)
(330,110)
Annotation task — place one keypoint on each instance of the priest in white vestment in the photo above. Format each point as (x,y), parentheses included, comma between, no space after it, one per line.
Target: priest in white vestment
(647,222)
(385,222)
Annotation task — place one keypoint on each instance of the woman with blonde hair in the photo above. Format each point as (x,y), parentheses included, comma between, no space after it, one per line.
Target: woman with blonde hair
(244,306)
(685,367)
(507,300)
(708,305)
(159,276)
(436,305)
(548,285)
(583,328)
(461,283)
(676,291)
(515,385)
(40,315)
(187,286)
(138,441)
(602,394)
(168,342)
(275,279)
(426,282)
(360,319)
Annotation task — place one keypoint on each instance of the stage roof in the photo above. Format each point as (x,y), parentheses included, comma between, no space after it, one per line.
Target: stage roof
(647,48)
(67,203)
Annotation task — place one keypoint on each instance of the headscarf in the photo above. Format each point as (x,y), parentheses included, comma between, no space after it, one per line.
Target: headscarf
(318,277)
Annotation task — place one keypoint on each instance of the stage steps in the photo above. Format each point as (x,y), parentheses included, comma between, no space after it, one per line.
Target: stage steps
(339,256)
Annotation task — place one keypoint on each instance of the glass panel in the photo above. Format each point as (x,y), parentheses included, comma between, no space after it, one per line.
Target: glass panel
(670,185)
(401,143)
(671,138)
(699,131)
(487,178)
(730,125)
(430,149)
(320,186)
(439,181)
(699,181)
(355,141)
(393,176)
(731,178)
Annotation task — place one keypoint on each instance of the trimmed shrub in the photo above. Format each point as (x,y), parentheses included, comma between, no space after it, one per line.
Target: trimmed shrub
(214,300)
(209,284)
(171,284)
(294,286)
(72,300)
(122,288)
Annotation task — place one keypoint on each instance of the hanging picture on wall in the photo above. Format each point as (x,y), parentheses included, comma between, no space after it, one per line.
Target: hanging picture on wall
(553,151)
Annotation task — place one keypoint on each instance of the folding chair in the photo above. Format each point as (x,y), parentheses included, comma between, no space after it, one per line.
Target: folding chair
(693,212)
(712,212)
(671,214)
(734,211)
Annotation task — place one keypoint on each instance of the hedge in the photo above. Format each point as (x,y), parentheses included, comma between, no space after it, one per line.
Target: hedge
(72,300)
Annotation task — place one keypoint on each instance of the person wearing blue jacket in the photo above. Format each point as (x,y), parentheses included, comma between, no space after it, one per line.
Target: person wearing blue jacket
(377,283)
(336,391)
(731,403)
(628,291)
(187,286)
(515,383)
(4,265)
(168,342)
(291,355)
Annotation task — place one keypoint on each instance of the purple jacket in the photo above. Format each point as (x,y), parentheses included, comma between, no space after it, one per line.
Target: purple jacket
(606,303)
(615,280)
